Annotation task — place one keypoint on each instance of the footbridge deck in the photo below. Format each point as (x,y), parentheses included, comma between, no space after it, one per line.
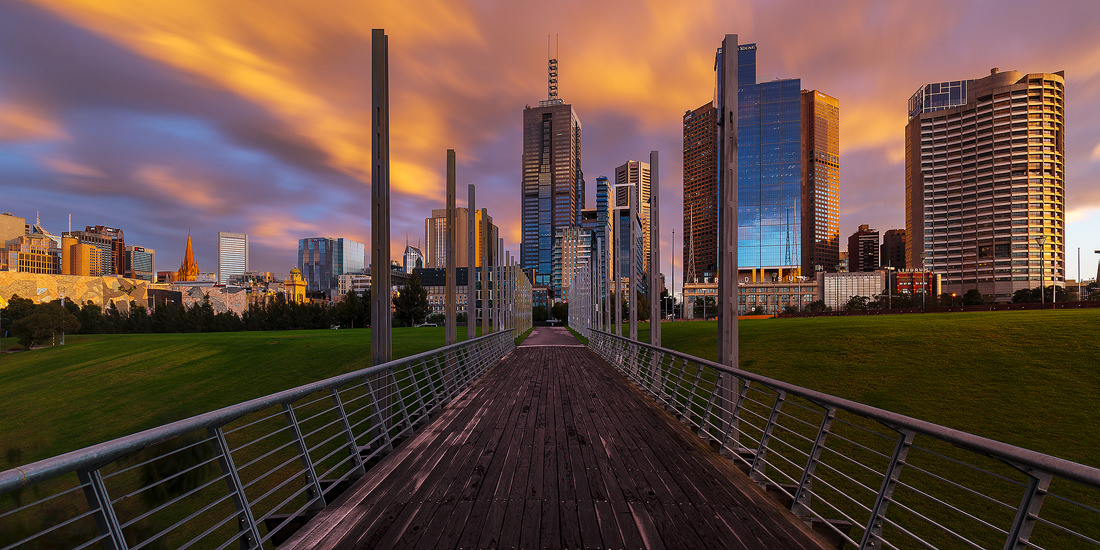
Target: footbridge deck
(554,449)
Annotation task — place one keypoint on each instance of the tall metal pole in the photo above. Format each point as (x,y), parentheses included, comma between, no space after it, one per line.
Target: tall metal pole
(451,291)
(483,244)
(471,269)
(616,269)
(632,299)
(727,227)
(498,288)
(381,315)
(654,253)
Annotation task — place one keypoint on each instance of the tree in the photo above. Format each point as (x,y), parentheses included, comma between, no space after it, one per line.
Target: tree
(352,311)
(539,314)
(43,323)
(411,304)
(973,298)
(560,311)
(857,303)
(818,306)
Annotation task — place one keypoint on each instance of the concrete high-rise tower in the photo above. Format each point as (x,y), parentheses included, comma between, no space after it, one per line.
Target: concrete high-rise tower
(552,192)
(232,255)
(701,193)
(985,182)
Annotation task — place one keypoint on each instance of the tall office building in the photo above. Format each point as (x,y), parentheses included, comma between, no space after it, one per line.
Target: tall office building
(985,182)
(110,241)
(572,251)
(788,178)
(412,259)
(139,263)
(635,175)
(820,181)
(700,193)
(435,238)
(552,193)
(232,255)
(863,249)
(892,252)
(322,260)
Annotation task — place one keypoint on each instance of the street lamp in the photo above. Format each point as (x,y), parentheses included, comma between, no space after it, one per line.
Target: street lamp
(1040,240)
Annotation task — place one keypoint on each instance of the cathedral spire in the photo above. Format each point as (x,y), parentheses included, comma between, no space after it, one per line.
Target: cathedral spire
(188,270)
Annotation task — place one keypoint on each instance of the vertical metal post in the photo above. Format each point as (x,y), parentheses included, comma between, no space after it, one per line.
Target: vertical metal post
(245,520)
(654,253)
(95,492)
(353,447)
(483,244)
(380,199)
(1038,484)
(616,231)
(634,290)
(471,269)
(498,287)
(727,208)
(873,530)
(759,459)
(381,315)
(383,425)
(804,493)
(450,330)
(313,485)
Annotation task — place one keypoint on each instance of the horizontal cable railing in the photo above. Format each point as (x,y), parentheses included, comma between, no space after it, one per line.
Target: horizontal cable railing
(867,477)
(243,476)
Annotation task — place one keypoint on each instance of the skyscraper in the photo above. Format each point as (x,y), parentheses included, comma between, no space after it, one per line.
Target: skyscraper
(110,241)
(412,259)
(985,182)
(552,192)
(322,260)
(700,193)
(232,255)
(820,181)
(863,249)
(635,175)
(435,238)
(788,174)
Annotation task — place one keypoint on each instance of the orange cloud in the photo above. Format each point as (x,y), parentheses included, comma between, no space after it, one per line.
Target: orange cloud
(71,168)
(21,123)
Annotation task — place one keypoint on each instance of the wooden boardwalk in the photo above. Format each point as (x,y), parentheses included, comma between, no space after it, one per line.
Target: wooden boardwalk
(554,449)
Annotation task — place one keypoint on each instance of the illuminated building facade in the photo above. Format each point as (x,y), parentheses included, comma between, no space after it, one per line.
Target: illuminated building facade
(552,192)
(700,193)
(985,182)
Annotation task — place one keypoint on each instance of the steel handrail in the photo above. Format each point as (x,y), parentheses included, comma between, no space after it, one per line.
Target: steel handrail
(1074,471)
(96,455)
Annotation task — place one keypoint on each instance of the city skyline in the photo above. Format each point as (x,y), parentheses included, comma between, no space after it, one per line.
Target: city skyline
(205,118)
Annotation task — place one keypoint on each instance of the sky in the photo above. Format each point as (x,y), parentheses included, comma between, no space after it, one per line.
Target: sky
(253,116)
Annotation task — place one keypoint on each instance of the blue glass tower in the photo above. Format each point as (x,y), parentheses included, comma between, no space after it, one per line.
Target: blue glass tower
(769,200)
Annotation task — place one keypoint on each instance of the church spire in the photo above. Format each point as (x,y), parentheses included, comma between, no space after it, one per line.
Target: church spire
(188,270)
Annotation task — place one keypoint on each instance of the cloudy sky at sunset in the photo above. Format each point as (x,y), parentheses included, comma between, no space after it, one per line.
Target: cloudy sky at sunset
(159,117)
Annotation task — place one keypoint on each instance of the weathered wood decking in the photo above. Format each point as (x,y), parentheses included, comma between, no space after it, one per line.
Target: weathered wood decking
(553,449)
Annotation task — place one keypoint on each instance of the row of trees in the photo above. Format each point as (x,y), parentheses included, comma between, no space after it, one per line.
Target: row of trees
(39,324)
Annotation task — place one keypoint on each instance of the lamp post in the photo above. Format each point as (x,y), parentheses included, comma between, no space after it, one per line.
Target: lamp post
(1040,240)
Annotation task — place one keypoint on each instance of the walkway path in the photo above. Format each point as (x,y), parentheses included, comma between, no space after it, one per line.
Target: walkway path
(553,449)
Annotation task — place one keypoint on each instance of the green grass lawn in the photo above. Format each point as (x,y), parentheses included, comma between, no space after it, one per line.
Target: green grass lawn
(96,388)
(1029,378)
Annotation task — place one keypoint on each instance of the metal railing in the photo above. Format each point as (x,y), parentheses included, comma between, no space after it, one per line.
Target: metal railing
(864,476)
(246,475)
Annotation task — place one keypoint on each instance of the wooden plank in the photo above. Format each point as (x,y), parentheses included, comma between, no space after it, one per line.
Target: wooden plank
(552,449)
